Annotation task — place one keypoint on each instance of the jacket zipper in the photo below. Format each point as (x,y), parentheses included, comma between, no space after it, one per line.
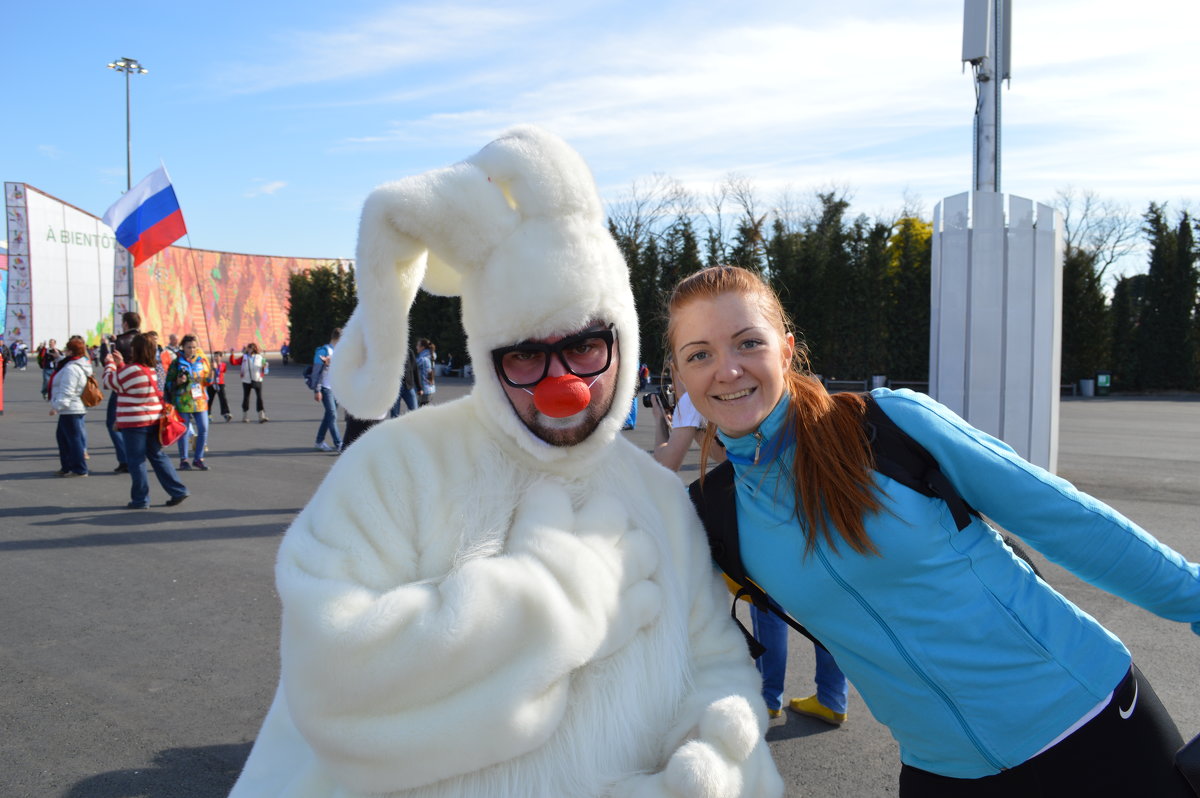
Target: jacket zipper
(962,722)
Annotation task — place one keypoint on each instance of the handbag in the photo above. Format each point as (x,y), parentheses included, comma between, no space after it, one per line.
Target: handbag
(1188,762)
(92,395)
(171,426)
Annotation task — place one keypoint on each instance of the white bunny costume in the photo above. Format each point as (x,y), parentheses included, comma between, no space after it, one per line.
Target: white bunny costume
(467,610)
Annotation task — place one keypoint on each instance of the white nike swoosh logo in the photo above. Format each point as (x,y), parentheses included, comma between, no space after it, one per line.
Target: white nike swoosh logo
(1126,713)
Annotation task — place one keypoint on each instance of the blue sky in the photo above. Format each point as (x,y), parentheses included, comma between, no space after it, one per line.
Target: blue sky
(276,120)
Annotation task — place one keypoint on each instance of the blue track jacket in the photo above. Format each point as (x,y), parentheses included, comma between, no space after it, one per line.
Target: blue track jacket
(972,662)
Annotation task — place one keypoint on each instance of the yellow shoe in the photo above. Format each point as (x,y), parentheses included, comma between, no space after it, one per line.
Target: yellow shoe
(815,709)
(774,713)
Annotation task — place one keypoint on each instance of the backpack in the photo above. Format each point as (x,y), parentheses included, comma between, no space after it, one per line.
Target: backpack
(896,455)
(312,377)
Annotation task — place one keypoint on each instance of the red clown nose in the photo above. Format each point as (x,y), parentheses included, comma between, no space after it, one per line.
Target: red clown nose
(559,397)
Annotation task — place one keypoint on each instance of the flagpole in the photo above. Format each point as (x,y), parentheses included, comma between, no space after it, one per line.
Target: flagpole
(200,293)
(130,66)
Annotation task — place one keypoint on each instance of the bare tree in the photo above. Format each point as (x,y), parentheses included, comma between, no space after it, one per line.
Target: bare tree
(651,206)
(1100,227)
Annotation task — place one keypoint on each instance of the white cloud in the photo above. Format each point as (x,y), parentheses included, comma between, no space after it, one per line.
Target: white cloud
(265,187)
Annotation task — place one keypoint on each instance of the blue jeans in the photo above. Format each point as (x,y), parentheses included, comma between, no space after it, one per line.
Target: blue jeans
(831,682)
(118,436)
(72,441)
(142,446)
(200,419)
(329,420)
(409,397)
(771,630)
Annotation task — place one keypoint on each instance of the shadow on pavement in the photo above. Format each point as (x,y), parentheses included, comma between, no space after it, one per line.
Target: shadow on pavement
(204,772)
(798,727)
(176,534)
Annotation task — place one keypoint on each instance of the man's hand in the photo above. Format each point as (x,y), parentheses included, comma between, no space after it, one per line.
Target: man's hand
(317,396)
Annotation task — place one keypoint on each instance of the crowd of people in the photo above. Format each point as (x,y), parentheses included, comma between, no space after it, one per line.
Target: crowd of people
(573,609)
(146,378)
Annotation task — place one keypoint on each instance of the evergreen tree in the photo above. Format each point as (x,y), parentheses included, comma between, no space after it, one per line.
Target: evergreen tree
(1165,343)
(1086,329)
(814,286)
(1126,313)
(747,251)
(910,254)
(651,317)
(439,318)
(714,248)
(319,299)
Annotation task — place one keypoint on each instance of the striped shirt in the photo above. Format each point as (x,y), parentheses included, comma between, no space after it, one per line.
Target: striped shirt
(138,401)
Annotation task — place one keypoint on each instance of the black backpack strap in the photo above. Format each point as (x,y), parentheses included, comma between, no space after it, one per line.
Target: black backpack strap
(716,505)
(900,457)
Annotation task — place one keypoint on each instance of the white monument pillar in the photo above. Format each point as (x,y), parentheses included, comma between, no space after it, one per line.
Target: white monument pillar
(996,321)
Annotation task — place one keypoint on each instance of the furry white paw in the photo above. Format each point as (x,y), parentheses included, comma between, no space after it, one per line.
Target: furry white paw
(696,770)
(730,722)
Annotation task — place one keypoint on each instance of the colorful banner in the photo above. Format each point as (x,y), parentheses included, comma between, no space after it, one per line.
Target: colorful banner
(18,292)
(225,299)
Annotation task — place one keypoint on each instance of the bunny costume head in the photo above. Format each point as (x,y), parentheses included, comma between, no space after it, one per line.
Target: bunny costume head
(518,232)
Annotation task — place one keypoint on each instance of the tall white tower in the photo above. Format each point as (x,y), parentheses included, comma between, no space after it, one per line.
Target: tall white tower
(996,293)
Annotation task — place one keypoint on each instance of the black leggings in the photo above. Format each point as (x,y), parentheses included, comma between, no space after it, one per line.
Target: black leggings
(246,387)
(1108,755)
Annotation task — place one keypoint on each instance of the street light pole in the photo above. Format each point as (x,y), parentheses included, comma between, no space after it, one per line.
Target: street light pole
(129,66)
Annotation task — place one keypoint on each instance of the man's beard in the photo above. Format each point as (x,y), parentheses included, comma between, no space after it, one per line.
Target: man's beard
(571,430)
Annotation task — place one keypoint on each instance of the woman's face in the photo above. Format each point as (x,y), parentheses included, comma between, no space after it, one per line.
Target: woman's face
(731,359)
(190,349)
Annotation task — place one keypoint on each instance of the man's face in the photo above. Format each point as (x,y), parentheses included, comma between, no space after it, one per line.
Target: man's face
(573,429)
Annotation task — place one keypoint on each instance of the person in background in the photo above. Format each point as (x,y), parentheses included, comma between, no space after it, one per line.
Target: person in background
(216,387)
(409,380)
(130,322)
(285,352)
(66,392)
(991,682)
(187,379)
(322,362)
(427,381)
(162,360)
(253,369)
(47,359)
(139,407)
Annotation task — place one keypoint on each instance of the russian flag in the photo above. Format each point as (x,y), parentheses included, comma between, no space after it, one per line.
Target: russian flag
(147,218)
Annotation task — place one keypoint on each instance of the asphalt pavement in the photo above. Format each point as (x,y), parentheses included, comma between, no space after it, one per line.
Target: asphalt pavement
(138,649)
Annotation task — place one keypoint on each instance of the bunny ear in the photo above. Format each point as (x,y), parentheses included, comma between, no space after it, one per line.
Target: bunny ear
(425,231)
(540,175)
(369,358)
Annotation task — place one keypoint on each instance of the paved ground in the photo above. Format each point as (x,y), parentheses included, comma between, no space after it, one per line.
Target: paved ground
(138,649)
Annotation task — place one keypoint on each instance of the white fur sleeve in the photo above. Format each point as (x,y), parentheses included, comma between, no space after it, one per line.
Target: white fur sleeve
(403,686)
(717,747)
